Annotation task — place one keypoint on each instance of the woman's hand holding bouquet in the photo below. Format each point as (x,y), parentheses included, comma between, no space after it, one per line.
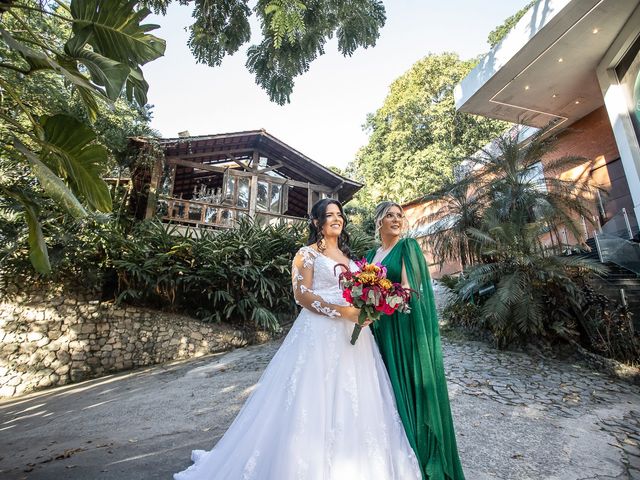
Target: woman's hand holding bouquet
(373,293)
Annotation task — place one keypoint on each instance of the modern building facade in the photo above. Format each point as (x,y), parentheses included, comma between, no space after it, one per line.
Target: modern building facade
(574,64)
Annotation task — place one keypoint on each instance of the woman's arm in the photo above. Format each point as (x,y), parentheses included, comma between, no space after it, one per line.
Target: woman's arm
(302,281)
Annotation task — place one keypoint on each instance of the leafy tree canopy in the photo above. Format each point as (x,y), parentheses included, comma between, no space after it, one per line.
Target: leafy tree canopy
(498,33)
(417,136)
(294,33)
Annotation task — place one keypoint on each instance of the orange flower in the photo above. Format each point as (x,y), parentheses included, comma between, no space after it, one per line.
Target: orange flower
(371,268)
(367,278)
(385,283)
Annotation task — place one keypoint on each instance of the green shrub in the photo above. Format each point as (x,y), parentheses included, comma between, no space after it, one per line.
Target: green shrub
(462,315)
(240,274)
(449,281)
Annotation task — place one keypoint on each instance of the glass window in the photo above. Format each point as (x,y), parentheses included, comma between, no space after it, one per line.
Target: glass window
(229,187)
(263,196)
(195,212)
(274,206)
(243,192)
(211,215)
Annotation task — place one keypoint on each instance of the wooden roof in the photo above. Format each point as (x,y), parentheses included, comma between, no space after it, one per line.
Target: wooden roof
(212,149)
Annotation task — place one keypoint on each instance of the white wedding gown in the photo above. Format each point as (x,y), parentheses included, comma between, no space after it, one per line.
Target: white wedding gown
(322,410)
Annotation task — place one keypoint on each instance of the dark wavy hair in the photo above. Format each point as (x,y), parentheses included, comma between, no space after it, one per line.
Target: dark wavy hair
(318,212)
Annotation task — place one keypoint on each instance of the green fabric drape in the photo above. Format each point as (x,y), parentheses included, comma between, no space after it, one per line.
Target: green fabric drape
(410,348)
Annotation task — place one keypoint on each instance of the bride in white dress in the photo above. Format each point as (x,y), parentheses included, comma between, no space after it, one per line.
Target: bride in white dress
(323,408)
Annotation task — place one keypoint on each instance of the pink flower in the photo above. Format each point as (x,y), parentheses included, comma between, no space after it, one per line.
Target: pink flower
(365,293)
(346,294)
(387,309)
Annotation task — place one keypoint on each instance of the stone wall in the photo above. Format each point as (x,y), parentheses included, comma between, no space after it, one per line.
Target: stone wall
(54,339)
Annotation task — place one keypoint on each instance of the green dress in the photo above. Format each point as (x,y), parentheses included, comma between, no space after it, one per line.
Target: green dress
(410,347)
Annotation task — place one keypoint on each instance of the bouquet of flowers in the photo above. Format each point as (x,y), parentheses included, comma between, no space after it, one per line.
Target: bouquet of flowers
(373,293)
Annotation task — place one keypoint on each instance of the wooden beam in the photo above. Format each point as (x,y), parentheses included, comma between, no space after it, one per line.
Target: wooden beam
(289,166)
(244,166)
(271,168)
(253,188)
(281,181)
(224,153)
(208,168)
(338,188)
(152,197)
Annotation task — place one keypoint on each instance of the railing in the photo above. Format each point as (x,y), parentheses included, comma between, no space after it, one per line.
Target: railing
(196,212)
(614,243)
(201,213)
(618,226)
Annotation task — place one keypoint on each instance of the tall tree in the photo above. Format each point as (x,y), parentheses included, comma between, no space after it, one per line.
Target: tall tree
(417,136)
(294,33)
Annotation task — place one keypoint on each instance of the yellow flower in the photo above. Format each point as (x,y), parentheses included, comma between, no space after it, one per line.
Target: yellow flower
(367,278)
(385,283)
(371,268)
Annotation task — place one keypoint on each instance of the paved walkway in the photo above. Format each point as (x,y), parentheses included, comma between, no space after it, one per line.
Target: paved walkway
(517,417)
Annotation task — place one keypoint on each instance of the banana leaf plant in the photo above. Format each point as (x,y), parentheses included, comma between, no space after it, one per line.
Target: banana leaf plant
(101,59)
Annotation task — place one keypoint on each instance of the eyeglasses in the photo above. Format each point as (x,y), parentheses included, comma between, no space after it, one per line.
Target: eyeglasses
(390,215)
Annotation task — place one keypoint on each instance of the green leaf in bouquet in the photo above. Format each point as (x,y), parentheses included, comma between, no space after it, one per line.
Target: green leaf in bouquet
(371,296)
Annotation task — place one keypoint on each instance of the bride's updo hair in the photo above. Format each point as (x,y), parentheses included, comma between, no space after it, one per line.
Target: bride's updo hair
(381,211)
(318,214)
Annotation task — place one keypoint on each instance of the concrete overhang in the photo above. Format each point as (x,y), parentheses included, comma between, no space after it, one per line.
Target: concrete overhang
(544,70)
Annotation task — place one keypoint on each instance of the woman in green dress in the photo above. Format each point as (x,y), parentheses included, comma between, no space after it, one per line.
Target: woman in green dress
(410,347)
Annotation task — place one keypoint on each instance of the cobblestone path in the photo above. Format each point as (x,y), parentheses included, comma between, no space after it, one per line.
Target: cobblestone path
(559,396)
(517,417)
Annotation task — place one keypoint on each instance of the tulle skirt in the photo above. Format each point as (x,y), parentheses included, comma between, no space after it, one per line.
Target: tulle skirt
(322,410)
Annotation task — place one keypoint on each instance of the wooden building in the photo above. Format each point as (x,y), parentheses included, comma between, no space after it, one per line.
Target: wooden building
(214,180)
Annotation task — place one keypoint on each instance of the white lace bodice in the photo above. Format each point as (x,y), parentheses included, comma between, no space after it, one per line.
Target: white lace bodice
(325,275)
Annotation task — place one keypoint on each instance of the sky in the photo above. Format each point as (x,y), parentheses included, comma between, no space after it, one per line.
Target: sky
(331,101)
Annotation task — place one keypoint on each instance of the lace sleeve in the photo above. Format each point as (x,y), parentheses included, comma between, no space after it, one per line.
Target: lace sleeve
(302,282)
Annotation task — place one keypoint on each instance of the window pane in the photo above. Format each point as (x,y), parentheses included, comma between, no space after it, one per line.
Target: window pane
(275,198)
(162,209)
(211,215)
(243,192)
(262,201)
(229,190)
(195,212)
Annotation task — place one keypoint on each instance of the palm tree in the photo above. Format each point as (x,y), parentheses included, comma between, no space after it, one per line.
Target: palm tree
(511,182)
(508,181)
(524,275)
(459,209)
(496,218)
